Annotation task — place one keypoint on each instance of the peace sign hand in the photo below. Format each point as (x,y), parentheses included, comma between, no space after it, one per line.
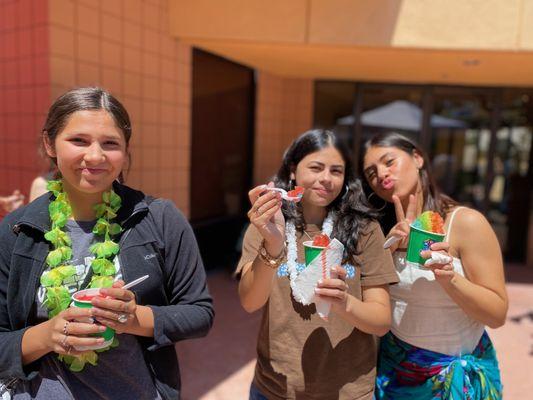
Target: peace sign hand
(398,236)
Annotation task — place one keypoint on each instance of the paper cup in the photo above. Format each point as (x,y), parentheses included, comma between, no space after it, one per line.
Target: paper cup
(323,307)
(419,240)
(108,334)
(311,252)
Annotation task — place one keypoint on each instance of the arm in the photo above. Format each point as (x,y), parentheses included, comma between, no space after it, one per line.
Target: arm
(268,224)
(10,338)
(256,277)
(482,294)
(371,315)
(190,311)
(20,347)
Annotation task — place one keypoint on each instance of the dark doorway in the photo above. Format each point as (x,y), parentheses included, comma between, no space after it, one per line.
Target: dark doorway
(221,155)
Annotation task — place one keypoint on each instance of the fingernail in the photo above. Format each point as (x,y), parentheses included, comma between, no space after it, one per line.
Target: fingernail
(101,340)
(103,291)
(102,328)
(317,290)
(320,282)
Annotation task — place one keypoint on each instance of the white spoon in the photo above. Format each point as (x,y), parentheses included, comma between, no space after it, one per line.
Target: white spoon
(390,241)
(285,194)
(135,282)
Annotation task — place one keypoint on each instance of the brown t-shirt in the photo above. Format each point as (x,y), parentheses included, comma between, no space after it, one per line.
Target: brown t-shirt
(300,356)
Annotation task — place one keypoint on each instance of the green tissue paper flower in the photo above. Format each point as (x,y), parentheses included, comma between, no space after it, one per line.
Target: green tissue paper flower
(54,280)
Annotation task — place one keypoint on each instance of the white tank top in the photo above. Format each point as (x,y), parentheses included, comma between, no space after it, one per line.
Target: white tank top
(423,314)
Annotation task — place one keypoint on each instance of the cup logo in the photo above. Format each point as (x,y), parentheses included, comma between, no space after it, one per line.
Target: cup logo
(427,244)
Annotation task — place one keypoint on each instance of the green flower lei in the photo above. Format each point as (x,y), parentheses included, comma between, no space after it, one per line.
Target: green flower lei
(57,294)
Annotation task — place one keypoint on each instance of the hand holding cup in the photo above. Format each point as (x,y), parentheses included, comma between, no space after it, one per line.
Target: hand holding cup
(71,329)
(439,261)
(115,307)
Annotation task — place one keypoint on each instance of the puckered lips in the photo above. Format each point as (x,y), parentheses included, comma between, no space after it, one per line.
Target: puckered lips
(387,184)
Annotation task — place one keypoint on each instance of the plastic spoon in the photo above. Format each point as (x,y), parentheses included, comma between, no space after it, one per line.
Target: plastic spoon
(390,241)
(285,195)
(135,282)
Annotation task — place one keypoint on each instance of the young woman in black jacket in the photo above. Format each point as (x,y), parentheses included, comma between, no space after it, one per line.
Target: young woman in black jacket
(92,231)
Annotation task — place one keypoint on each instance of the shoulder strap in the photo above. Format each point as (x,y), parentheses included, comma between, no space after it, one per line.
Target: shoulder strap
(449,231)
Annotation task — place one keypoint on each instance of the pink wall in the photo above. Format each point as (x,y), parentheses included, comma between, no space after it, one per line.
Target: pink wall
(284,110)
(24,90)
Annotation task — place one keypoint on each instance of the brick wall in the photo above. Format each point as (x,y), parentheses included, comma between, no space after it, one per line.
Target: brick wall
(50,46)
(284,110)
(24,90)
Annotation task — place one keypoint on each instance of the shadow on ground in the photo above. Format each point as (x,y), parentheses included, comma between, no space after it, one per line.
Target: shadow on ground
(210,362)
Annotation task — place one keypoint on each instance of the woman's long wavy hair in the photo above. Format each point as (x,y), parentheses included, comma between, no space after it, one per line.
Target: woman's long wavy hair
(434,199)
(352,210)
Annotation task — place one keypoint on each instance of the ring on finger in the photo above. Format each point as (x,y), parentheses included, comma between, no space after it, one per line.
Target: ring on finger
(65,328)
(64,341)
(122,318)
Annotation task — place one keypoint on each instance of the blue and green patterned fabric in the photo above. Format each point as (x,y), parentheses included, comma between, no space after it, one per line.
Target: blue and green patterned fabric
(409,372)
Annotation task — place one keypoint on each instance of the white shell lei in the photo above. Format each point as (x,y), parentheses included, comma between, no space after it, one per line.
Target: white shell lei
(292,249)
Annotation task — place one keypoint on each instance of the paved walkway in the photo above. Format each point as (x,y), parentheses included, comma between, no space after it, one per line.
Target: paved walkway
(220,367)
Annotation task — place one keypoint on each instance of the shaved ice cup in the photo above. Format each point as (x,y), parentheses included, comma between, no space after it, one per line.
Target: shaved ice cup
(419,240)
(334,257)
(108,334)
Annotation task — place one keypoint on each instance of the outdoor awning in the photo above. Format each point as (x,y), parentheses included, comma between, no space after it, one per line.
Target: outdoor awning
(400,114)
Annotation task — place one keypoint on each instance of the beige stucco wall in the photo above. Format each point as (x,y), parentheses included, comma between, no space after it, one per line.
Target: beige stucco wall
(456,24)
(125,47)
(450,24)
(476,42)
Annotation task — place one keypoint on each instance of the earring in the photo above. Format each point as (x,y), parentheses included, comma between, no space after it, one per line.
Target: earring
(292,184)
(346,190)
(370,201)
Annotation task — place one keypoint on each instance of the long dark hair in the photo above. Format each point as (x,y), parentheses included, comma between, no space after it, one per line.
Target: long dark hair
(434,199)
(85,99)
(352,211)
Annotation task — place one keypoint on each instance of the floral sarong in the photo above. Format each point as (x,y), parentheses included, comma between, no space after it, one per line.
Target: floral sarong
(409,372)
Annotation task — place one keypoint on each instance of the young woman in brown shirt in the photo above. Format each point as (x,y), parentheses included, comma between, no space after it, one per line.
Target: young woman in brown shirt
(301,356)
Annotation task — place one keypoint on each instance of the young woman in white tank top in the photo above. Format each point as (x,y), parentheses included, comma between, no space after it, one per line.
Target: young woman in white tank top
(437,347)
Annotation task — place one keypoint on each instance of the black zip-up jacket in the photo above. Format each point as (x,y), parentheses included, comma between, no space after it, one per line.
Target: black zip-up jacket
(157,240)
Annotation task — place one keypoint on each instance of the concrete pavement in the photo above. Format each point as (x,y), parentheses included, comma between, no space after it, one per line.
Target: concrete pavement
(220,367)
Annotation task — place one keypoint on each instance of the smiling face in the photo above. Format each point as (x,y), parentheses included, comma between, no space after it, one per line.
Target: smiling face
(391,171)
(91,151)
(322,175)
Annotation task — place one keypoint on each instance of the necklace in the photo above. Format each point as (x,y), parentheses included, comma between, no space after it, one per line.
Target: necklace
(292,248)
(59,258)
